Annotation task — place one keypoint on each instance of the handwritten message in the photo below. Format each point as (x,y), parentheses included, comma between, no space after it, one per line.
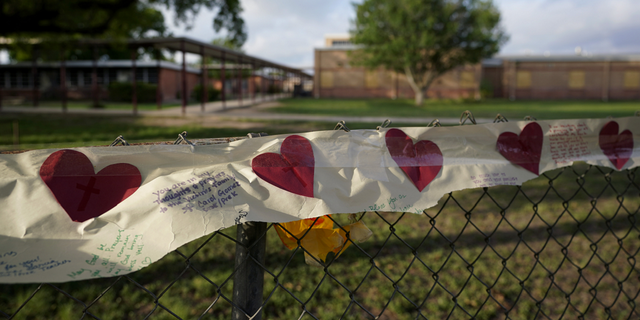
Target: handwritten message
(204,192)
(123,253)
(12,266)
(566,142)
(493,179)
(394,204)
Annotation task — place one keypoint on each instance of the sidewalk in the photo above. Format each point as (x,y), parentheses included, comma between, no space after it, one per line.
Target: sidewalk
(234,110)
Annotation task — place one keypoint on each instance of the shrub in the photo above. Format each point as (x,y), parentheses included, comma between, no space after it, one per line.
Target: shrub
(486,89)
(212,94)
(123,91)
(273,88)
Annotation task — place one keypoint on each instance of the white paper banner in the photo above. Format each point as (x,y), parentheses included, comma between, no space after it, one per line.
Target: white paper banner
(85,213)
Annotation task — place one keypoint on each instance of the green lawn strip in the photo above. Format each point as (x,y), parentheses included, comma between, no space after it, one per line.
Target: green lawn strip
(39,131)
(410,256)
(57,131)
(513,110)
(104,105)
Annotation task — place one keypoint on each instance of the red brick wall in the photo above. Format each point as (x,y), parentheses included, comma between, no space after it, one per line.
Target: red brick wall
(171,84)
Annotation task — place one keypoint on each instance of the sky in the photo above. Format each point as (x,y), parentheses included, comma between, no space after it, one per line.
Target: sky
(287,31)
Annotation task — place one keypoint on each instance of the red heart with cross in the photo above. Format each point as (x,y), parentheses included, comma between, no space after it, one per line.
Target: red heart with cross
(291,170)
(524,149)
(617,147)
(83,193)
(421,162)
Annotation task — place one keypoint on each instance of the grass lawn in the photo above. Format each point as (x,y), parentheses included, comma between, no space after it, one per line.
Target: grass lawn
(513,110)
(38,131)
(63,131)
(520,249)
(72,104)
(569,233)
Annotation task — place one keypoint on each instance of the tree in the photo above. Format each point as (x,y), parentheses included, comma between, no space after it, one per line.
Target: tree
(425,38)
(51,20)
(228,43)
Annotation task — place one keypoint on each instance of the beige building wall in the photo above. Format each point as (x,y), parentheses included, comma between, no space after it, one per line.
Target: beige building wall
(337,78)
(593,78)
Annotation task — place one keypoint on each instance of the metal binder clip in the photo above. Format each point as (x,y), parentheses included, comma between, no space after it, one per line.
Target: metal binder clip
(530,118)
(341,125)
(434,123)
(500,118)
(384,124)
(467,115)
(119,140)
(182,137)
(256,135)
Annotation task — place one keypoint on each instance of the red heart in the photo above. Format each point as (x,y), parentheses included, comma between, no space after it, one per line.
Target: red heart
(421,162)
(523,150)
(82,193)
(617,147)
(292,170)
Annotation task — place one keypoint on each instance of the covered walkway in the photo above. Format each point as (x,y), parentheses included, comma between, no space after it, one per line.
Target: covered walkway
(260,70)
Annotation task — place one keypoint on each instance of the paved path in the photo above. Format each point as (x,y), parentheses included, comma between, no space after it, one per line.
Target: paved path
(233,110)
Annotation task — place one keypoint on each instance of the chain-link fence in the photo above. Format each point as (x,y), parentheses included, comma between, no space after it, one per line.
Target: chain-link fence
(563,245)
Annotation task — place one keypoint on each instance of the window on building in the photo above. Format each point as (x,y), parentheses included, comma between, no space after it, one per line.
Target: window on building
(140,74)
(467,79)
(25,79)
(631,79)
(123,76)
(152,74)
(72,77)
(336,43)
(523,79)
(326,79)
(14,79)
(81,78)
(576,79)
(112,75)
(371,79)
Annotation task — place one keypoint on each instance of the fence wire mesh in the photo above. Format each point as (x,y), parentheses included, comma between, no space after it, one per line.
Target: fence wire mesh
(563,245)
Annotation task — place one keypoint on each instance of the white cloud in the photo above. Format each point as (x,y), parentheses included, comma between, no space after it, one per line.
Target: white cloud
(287,31)
(282,31)
(558,26)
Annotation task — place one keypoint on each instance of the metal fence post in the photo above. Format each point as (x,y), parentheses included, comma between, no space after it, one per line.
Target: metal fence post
(248,280)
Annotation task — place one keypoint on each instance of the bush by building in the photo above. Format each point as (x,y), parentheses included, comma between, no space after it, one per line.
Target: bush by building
(212,93)
(123,91)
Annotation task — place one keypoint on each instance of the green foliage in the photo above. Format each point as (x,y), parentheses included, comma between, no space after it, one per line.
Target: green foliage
(228,43)
(49,21)
(229,73)
(123,91)
(425,38)
(486,89)
(212,93)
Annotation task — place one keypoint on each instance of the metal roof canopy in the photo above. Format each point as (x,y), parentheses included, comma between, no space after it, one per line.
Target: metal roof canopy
(198,47)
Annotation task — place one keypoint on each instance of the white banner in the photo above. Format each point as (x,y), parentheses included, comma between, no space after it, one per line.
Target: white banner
(83,213)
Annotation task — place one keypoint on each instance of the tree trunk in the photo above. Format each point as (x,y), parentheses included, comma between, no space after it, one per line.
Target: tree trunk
(419,97)
(420,86)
